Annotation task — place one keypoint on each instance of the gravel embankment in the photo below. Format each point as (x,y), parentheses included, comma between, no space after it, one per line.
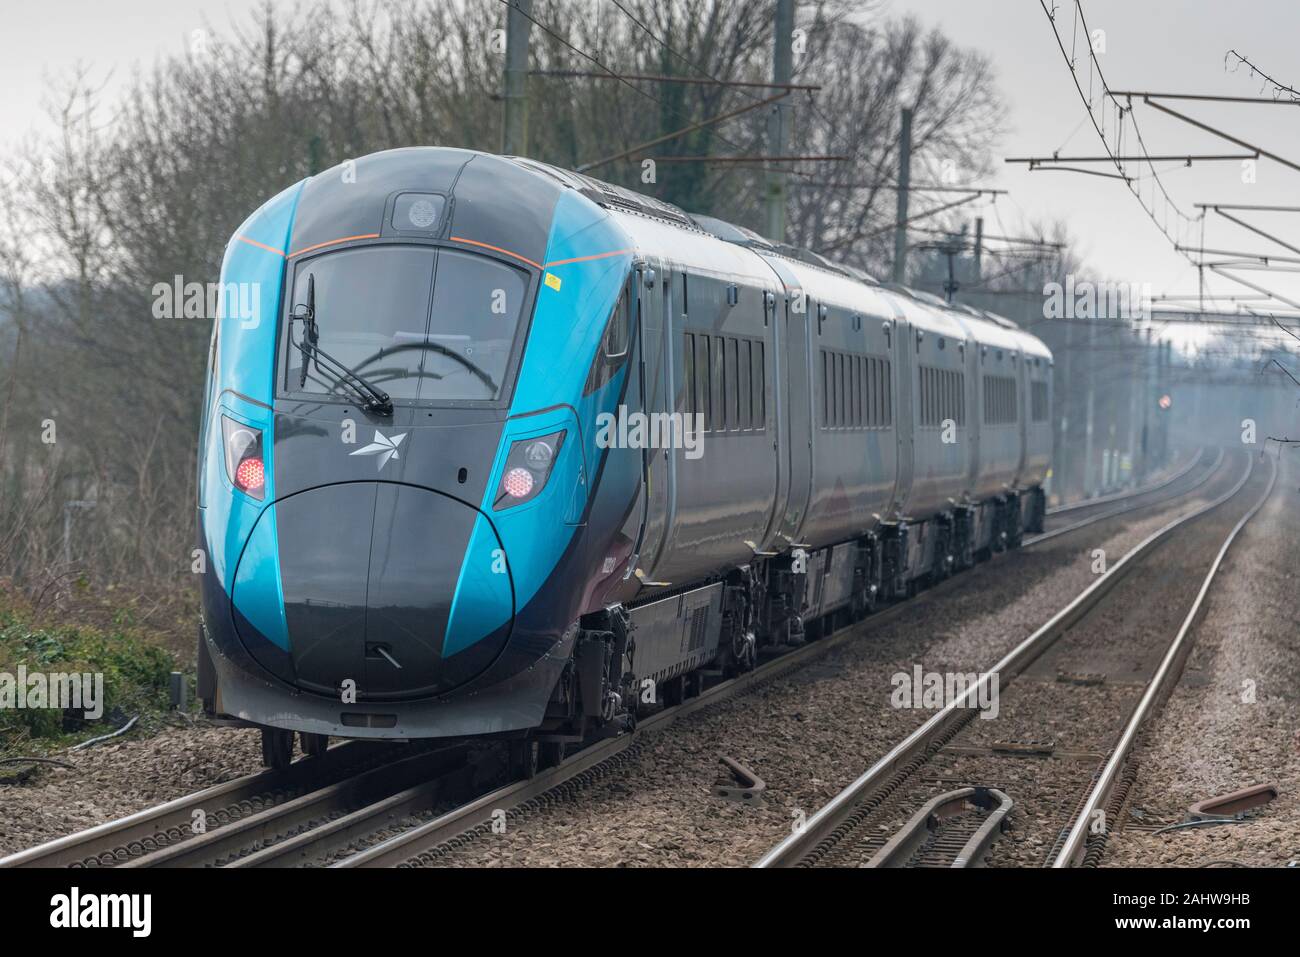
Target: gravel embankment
(1210,738)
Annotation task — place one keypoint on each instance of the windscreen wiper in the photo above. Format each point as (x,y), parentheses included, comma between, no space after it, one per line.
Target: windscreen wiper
(373,399)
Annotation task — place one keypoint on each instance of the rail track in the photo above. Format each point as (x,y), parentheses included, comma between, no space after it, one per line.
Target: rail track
(354,806)
(951,830)
(846,830)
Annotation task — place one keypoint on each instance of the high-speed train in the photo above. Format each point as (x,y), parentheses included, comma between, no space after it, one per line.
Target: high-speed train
(503,450)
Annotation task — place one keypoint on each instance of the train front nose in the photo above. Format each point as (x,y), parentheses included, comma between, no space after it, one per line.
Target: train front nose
(403,590)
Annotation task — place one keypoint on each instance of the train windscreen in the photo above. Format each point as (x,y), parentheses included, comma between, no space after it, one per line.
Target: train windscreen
(423,324)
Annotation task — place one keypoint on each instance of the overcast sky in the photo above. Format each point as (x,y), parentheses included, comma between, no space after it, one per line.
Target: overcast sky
(1156,44)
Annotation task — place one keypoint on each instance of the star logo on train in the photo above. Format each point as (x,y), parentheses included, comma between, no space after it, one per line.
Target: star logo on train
(384,447)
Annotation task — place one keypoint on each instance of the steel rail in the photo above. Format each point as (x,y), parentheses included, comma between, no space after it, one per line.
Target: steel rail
(824,822)
(270,825)
(911,836)
(1166,675)
(171,817)
(1126,508)
(1128,493)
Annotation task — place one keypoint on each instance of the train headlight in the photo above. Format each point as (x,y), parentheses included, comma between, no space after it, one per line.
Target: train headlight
(243,451)
(538,455)
(528,466)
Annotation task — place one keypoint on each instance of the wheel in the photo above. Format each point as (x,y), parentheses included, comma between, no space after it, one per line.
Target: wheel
(523,758)
(550,753)
(277,748)
(314,745)
(674,690)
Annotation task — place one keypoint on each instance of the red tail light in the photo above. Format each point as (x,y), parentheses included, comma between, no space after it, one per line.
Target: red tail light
(250,476)
(528,466)
(244,465)
(518,482)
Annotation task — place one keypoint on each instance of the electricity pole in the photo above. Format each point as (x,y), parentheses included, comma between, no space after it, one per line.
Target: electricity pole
(778,121)
(514,128)
(1089,402)
(904,184)
(1065,386)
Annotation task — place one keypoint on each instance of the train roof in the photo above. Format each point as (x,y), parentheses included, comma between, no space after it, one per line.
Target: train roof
(715,246)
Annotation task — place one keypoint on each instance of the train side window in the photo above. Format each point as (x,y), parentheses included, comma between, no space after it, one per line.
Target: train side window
(878,391)
(733,385)
(923,412)
(689,405)
(826,390)
(849,420)
(859,381)
(848,390)
(845,411)
(719,386)
(1038,401)
(873,399)
(927,400)
(868,381)
(830,388)
(857,391)
(837,389)
(888,384)
(703,375)
(744,363)
(759,383)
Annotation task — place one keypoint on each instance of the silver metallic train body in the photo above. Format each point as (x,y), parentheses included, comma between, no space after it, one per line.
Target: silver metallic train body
(858,439)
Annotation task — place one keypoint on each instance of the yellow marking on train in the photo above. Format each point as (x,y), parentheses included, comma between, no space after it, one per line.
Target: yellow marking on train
(553,281)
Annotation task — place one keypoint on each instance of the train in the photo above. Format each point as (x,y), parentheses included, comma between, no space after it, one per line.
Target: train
(503,451)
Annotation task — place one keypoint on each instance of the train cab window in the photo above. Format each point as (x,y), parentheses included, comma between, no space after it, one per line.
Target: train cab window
(618,334)
(758,383)
(615,344)
(420,323)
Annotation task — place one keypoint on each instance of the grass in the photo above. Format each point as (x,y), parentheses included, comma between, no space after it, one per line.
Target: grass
(133,661)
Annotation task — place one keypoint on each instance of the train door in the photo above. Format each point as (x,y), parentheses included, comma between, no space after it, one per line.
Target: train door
(659,399)
(971,357)
(776,399)
(1022,408)
(796,384)
(903,346)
